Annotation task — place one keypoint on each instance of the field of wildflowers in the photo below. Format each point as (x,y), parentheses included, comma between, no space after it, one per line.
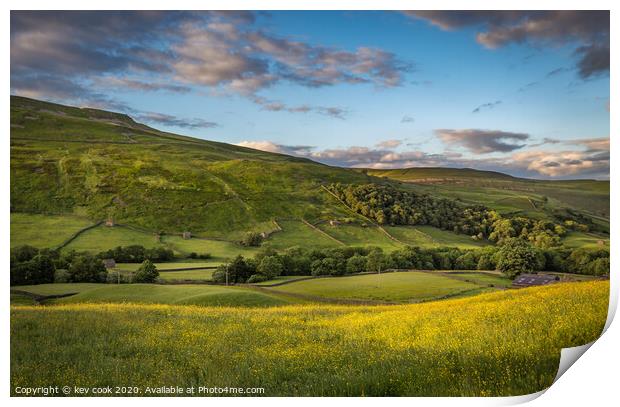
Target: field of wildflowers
(497,344)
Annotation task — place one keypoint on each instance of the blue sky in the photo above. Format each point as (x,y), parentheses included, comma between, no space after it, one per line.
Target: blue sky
(525,93)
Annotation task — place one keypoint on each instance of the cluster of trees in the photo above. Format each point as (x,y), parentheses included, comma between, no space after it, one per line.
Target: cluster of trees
(30,265)
(385,204)
(146,273)
(194,255)
(137,254)
(540,233)
(513,256)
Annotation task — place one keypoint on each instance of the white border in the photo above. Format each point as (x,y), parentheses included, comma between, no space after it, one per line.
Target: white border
(591,381)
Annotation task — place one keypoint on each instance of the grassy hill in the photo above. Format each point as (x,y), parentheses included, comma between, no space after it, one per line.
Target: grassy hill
(73,168)
(99,165)
(509,195)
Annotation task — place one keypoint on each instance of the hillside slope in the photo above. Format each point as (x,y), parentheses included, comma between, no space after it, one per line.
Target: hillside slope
(102,165)
(507,194)
(85,166)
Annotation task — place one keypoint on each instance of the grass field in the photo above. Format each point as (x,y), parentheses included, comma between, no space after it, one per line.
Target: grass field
(201,275)
(297,233)
(355,235)
(104,238)
(204,295)
(393,287)
(462,347)
(44,231)
(167,266)
(581,239)
(218,249)
(429,237)
(482,278)
(279,279)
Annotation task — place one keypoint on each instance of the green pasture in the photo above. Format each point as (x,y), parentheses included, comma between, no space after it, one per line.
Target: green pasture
(393,287)
(44,231)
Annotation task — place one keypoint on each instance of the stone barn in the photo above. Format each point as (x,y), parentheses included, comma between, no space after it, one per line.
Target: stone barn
(529,280)
(109,222)
(187,235)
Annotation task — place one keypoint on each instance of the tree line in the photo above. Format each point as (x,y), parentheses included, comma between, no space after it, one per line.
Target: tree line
(30,265)
(512,257)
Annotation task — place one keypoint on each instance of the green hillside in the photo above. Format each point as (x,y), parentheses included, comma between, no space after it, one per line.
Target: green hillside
(72,169)
(100,165)
(539,199)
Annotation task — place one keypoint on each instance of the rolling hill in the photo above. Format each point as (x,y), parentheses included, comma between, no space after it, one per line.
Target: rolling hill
(101,165)
(72,169)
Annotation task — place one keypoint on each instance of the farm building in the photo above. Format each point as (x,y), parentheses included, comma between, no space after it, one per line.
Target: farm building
(187,235)
(528,280)
(109,263)
(109,222)
(334,222)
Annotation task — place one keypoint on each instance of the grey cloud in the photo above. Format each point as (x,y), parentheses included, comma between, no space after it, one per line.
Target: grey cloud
(173,121)
(537,164)
(589,28)
(57,88)
(218,50)
(489,105)
(594,60)
(276,106)
(528,86)
(125,83)
(482,141)
(546,140)
(407,119)
(556,72)
(389,144)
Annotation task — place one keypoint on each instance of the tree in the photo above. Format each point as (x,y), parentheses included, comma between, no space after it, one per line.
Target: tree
(146,273)
(375,261)
(466,261)
(324,267)
(599,267)
(270,267)
(87,269)
(253,239)
(517,256)
(24,253)
(238,271)
(356,264)
(39,269)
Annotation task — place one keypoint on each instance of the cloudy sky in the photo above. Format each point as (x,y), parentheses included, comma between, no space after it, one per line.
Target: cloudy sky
(526,93)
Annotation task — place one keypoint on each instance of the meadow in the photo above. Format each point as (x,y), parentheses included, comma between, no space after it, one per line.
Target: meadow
(410,286)
(460,347)
(430,237)
(44,230)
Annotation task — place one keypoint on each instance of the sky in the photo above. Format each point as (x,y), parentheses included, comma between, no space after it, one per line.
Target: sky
(521,92)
